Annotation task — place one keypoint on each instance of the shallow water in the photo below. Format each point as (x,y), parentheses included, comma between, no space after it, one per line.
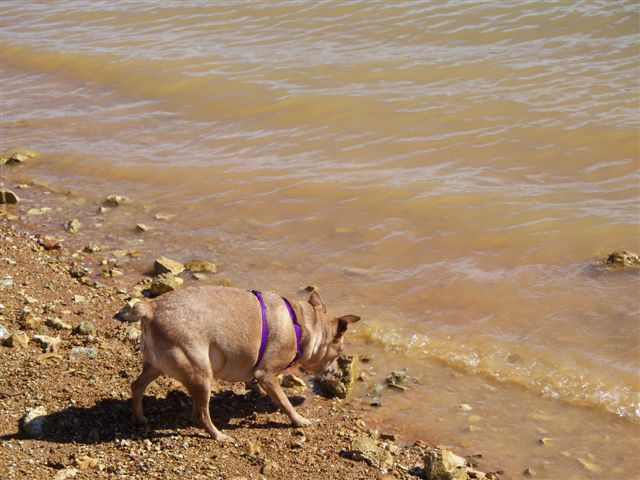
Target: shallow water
(450,171)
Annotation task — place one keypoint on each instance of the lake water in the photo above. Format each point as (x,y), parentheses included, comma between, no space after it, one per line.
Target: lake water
(450,171)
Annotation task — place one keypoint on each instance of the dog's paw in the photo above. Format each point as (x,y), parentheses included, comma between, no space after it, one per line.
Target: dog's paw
(224,438)
(301,422)
(141,421)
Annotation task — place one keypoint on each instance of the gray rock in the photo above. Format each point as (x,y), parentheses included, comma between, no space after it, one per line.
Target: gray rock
(339,383)
(201,266)
(623,258)
(116,200)
(4,333)
(164,283)
(86,352)
(6,282)
(47,343)
(365,449)
(65,473)
(443,464)
(33,422)
(72,226)
(166,265)
(7,197)
(133,334)
(86,327)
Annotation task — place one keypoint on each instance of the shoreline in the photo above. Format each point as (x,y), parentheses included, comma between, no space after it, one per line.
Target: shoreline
(83,384)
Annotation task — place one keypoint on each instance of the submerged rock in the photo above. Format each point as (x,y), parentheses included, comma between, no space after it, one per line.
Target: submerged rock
(166,265)
(116,200)
(72,226)
(623,258)
(201,266)
(164,283)
(33,422)
(7,197)
(397,379)
(338,384)
(17,157)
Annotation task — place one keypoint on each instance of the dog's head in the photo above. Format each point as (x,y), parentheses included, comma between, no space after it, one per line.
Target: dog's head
(328,344)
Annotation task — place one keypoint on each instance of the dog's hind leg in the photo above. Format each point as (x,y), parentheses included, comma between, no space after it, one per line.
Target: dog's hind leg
(139,385)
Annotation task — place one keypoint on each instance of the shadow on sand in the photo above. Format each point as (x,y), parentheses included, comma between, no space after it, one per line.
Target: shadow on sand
(111,419)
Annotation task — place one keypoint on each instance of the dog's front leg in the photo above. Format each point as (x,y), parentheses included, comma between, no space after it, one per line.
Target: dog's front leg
(270,384)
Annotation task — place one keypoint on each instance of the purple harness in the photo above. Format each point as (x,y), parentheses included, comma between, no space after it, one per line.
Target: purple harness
(265,328)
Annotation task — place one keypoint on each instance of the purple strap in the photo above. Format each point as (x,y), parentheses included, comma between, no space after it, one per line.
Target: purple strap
(265,326)
(265,329)
(296,327)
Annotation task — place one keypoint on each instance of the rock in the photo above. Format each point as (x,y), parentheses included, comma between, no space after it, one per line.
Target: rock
(291,381)
(33,422)
(544,441)
(397,379)
(17,157)
(86,327)
(57,324)
(7,197)
(166,265)
(90,282)
(116,200)
(112,272)
(338,384)
(86,352)
(164,283)
(72,226)
(78,299)
(201,266)
(65,473)
(529,472)
(91,248)
(141,227)
(6,282)
(200,276)
(443,464)
(47,343)
(164,216)
(465,407)
(299,439)
(4,333)
(364,449)
(85,462)
(28,321)
(623,258)
(133,334)
(589,465)
(36,212)
(50,243)
(269,468)
(17,340)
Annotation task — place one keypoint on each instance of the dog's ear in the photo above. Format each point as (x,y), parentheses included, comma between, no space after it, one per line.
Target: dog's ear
(343,323)
(316,300)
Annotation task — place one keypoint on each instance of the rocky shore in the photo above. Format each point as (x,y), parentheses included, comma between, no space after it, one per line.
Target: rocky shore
(67,361)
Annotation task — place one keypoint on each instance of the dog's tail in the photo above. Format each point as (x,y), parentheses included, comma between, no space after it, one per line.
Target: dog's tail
(142,311)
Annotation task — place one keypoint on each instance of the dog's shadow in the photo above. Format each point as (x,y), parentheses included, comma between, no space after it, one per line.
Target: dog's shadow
(111,418)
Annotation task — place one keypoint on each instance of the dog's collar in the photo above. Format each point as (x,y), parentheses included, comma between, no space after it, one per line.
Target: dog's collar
(265,329)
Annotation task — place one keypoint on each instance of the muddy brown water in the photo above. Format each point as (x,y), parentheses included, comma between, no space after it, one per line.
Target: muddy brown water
(450,171)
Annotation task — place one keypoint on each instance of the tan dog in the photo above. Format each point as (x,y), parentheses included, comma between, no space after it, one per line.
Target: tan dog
(200,333)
